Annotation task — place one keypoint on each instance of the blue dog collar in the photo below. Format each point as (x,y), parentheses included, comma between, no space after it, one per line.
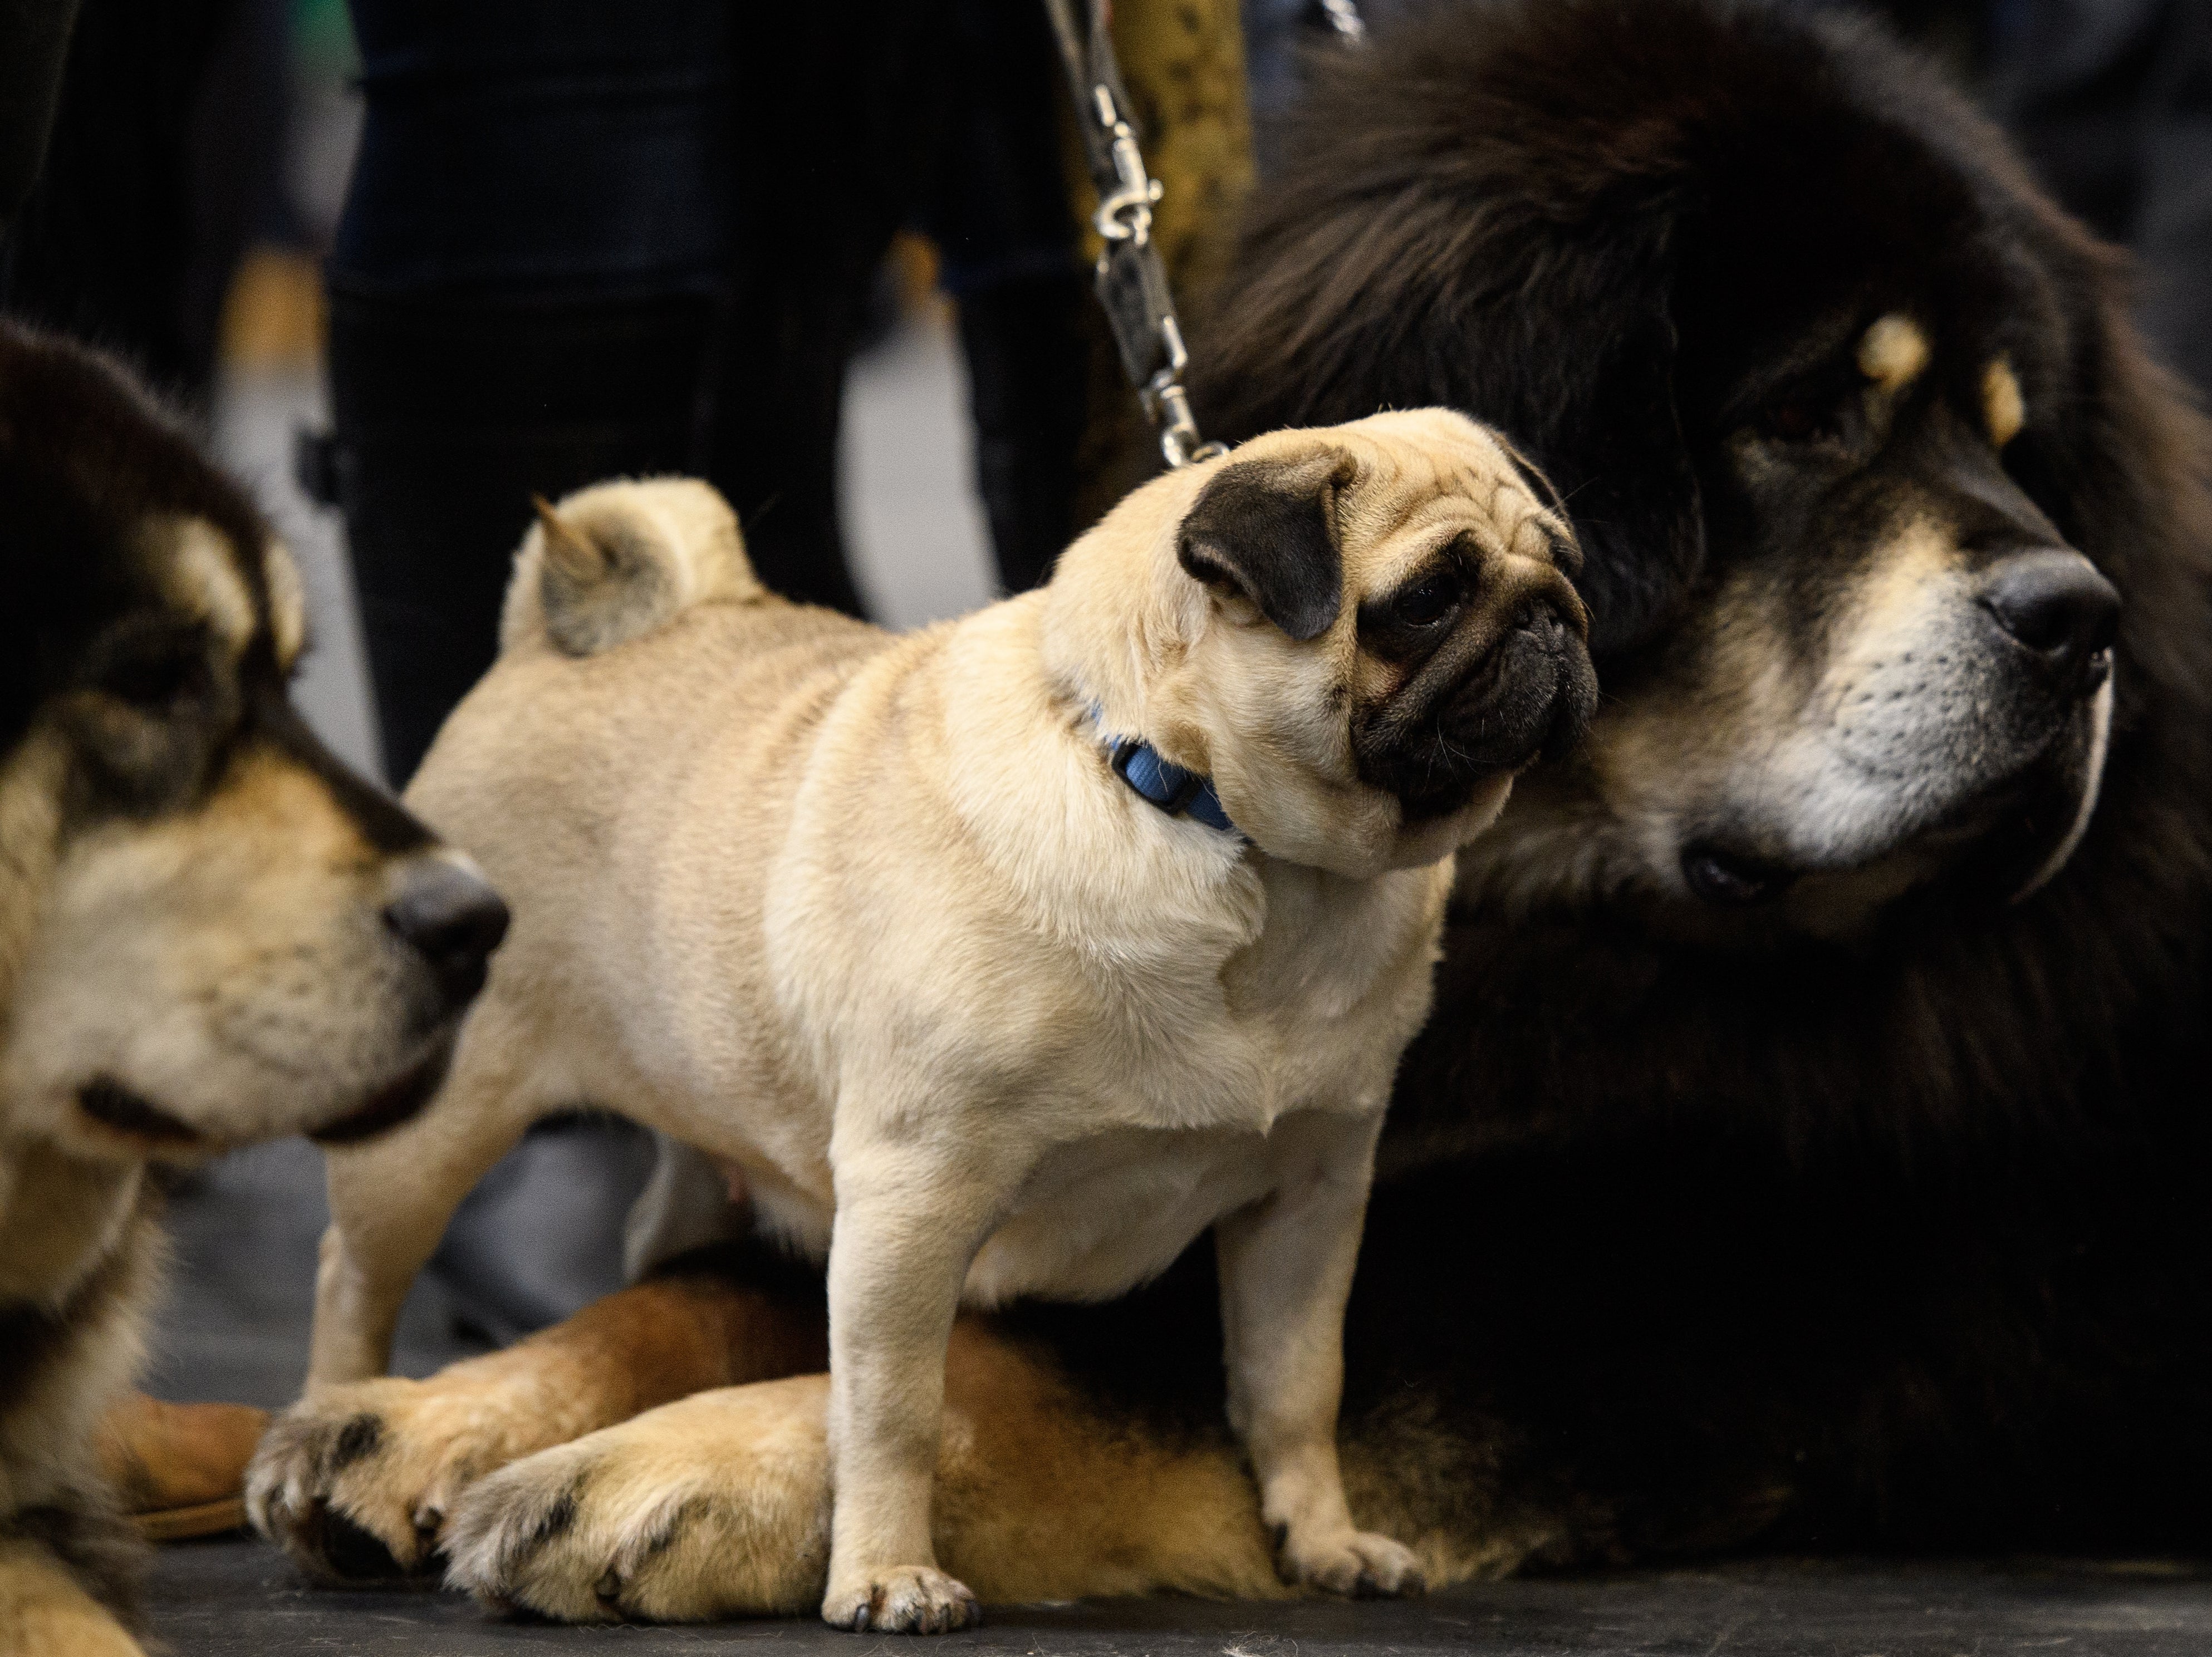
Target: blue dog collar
(1178,792)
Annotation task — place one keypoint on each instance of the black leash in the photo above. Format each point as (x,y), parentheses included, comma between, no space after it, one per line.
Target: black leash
(1132,282)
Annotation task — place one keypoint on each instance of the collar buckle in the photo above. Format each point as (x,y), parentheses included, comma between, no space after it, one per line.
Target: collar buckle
(1157,783)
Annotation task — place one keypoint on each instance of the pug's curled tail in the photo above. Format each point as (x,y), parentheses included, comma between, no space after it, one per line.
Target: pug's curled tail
(613,562)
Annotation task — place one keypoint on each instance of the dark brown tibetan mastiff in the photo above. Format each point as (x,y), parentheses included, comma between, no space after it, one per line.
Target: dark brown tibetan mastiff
(1807,1145)
(211,932)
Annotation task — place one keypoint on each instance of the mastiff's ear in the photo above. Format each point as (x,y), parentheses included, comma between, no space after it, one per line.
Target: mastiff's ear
(1468,256)
(1266,529)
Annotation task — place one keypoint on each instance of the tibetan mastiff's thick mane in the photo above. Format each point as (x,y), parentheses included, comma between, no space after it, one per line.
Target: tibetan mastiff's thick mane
(1634,237)
(1810,1103)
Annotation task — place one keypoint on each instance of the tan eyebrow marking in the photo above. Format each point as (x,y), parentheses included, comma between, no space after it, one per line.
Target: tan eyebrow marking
(2003,407)
(1892,352)
(288,602)
(205,581)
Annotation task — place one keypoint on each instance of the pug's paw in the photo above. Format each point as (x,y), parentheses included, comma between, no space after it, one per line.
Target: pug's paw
(904,1599)
(1358,1563)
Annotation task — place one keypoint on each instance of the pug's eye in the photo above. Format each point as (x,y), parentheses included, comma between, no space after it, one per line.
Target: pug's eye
(1429,600)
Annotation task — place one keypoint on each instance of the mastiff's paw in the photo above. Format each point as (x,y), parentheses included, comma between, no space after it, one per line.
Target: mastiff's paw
(906,1599)
(356,1482)
(715,1506)
(1359,1564)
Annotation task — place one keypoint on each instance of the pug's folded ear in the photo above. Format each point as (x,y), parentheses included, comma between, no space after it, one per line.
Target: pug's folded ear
(1265,529)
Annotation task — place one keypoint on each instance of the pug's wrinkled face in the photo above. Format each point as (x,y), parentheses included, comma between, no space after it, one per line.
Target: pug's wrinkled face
(1381,634)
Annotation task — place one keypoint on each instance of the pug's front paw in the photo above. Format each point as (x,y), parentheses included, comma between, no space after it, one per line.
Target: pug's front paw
(904,1599)
(1358,1563)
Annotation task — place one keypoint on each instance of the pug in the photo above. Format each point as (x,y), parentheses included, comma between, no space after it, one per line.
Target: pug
(1002,958)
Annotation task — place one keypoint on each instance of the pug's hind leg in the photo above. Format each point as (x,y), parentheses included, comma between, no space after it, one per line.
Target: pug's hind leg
(391,1198)
(1285,1265)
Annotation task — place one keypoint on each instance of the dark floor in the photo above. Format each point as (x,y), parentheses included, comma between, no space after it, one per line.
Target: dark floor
(231,1597)
(235,1326)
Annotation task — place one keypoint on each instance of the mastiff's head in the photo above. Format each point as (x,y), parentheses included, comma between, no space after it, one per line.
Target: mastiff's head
(211,932)
(1876,496)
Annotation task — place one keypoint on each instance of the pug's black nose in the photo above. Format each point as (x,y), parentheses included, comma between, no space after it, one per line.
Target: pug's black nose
(2058,606)
(452,916)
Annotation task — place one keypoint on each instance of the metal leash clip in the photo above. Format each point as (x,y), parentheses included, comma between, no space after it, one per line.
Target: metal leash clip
(1131,280)
(1168,405)
(1126,215)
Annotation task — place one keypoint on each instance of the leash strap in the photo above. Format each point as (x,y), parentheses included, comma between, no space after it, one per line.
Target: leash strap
(1132,282)
(1133,288)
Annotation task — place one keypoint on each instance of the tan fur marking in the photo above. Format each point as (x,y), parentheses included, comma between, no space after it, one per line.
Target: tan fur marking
(2003,409)
(204,579)
(43,1609)
(1894,352)
(31,790)
(287,604)
(718,1505)
(1156,1516)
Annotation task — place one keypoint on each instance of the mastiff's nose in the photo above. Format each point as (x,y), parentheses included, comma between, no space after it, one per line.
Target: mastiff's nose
(2056,606)
(451,915)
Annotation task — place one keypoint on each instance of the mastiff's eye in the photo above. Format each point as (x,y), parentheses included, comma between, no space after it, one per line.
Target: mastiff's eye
(1429,600)
(1798,419)
(152,680)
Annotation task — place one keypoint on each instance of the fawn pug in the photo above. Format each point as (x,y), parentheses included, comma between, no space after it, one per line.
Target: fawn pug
(1004,957)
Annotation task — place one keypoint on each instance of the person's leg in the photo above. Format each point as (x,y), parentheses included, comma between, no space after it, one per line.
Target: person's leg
(527,295)
(160,156)
(525,291)
(1027,382)
(836,120)
(451,410)
(998,213)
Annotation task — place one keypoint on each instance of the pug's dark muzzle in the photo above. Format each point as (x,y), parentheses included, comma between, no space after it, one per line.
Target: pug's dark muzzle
(1471,713)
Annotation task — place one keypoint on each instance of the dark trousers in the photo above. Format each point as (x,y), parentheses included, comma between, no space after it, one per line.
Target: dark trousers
(584,240)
